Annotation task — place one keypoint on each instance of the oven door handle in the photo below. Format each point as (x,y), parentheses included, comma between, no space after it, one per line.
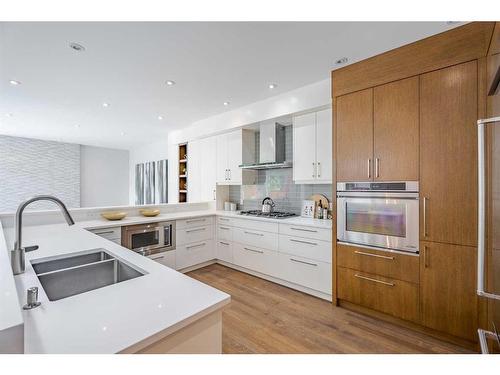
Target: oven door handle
(139,231)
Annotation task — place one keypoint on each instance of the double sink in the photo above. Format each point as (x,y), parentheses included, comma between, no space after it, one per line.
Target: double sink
(67,276)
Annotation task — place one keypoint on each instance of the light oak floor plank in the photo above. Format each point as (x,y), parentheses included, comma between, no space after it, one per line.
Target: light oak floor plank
(265,317)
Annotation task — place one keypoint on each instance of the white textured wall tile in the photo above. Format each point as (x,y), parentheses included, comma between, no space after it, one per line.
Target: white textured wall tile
(31,167)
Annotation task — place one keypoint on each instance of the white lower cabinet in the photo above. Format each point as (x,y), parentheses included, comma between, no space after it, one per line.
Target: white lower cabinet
(166,258)
(194,253)
(189,235)
(306,272)
(225,251)
(254,258)
(306,247)
(224,232)
(259,238)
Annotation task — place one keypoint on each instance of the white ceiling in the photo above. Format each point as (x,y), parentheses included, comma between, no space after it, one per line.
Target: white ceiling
(126,64)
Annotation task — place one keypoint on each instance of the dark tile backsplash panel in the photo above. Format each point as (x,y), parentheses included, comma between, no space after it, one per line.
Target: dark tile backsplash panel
(277,184)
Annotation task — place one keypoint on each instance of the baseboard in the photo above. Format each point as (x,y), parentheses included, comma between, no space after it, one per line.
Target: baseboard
(197,266)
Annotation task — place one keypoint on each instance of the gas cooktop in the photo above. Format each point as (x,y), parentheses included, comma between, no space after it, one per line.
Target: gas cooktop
(270,215)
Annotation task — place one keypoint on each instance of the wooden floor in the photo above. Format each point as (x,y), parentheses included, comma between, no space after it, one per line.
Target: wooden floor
(265,317)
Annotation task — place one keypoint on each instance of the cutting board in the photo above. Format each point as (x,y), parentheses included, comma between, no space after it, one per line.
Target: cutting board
(320,198)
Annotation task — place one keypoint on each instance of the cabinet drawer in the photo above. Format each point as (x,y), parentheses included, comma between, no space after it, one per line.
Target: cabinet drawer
(254,258)
(305,247)
(256,225)
(224,232)
(225,251)
(384,263)
(394,297)
(189,235)
(225,220)
(195,253)
(306,272)
(112,234)
(321,234)
(166,258)
(257,238)
(195,222)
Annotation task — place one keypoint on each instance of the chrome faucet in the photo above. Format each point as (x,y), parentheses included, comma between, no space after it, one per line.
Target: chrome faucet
(18,254)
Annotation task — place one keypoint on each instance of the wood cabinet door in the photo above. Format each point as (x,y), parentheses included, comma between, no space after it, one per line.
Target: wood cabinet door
(395,131)
(354,136)
(304,148)
(448,155)
(448,289)
(324,146)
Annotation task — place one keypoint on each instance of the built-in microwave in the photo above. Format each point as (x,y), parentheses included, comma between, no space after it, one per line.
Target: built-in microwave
(151,238)
(379,214)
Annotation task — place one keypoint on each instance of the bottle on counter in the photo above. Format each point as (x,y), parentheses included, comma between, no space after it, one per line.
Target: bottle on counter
(320,210)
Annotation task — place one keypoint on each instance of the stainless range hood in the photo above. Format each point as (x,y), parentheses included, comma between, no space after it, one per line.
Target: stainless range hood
(272,147)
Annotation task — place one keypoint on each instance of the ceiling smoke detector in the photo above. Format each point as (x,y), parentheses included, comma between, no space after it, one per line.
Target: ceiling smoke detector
(76,47)
(341,61)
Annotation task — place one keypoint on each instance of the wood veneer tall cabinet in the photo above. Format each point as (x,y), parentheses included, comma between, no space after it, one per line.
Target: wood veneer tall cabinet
(377,133)
(448,196)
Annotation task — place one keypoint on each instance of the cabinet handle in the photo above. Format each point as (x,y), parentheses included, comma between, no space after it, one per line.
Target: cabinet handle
(160,257)
(229,170)
(374,280)
(108,232)
(223,219)
(194,220)
(301,261)
(226,175)
(224,243)
(215,198)
(319,169)
(197,245)
(225,228)
(305,230)
(425,215)
(255,234)
(426,249)
(369,168)
(313,174)
(253,250)
(306,242)
(377,167)
(195,230)
(373,255)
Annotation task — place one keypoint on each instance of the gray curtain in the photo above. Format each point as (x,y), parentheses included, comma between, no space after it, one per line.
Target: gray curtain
(151,182)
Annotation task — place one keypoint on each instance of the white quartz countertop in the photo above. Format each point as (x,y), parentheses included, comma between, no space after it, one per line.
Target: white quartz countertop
(123,317)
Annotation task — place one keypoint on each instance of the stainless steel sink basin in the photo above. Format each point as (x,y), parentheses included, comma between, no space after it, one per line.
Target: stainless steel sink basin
(68,276)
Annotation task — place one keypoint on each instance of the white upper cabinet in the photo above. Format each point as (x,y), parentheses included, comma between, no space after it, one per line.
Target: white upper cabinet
(202,170)
(312,148)
(233,149)
(324,143)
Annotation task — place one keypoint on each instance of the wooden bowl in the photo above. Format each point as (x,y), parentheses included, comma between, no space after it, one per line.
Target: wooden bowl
(113,215)
(149,212)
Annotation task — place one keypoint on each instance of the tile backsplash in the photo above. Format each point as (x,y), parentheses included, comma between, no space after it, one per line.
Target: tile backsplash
(278,185)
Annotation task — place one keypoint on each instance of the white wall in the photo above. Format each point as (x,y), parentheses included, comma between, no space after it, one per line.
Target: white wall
(104,177)
(153,151)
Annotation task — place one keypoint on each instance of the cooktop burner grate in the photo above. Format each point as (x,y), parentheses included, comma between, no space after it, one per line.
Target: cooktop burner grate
(271,215)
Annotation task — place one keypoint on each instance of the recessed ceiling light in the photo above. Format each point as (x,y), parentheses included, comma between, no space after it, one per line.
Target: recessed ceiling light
(77,125)
(160,117)
(122,133)
(9,114)
(226,103)
(342,60)
(14,82)
(170,83)
(272,85)
(105,105)
(76,47)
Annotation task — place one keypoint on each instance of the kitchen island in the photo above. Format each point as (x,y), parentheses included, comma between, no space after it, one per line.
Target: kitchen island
(162,311)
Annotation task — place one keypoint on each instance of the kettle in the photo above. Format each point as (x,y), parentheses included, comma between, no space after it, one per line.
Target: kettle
(267,205)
